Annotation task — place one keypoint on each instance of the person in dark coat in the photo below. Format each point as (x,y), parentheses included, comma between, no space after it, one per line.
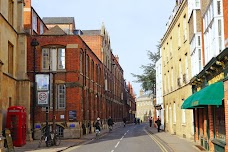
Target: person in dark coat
(150,121)
(124,121)
(110,121)
(158,122)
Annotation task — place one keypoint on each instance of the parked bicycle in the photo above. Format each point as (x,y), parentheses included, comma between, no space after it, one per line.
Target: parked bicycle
(50,140)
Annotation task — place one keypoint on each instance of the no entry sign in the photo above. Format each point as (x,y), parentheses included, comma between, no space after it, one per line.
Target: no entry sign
(42,98)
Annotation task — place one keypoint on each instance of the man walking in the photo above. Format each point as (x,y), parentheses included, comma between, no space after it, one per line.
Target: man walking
(158,122)
(150,121)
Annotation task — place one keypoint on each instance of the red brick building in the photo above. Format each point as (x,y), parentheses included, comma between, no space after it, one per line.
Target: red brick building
(84,83)
(77,82)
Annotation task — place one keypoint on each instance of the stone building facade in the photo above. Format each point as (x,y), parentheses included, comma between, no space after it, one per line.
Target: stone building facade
(144,106)
(176,73)
(14,83)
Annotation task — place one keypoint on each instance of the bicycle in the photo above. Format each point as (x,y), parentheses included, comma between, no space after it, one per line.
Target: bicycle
(97,133)
(110,128)
(50,140)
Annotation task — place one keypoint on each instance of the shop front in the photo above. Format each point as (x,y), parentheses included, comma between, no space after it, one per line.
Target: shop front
(209,102)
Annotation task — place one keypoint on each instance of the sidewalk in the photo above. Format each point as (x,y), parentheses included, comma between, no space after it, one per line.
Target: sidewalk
(174,143)
(66,143)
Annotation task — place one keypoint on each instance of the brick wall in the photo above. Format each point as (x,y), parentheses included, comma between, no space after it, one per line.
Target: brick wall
(72,55)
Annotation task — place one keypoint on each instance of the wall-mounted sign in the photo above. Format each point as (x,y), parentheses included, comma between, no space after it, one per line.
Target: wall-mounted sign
(42,81)
(42,98)
(72,115)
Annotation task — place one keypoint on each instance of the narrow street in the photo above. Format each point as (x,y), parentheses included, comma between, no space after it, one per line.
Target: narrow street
(132,138)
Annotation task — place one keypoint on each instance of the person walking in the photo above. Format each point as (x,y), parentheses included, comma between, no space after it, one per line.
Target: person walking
(124,121)
(150,121)
(158,122)
(110,123)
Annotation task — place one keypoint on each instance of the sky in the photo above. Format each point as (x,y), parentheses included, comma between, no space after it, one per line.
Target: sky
(134,26)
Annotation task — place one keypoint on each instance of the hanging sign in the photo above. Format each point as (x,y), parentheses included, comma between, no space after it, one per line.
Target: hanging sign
(42,81)
(42,98)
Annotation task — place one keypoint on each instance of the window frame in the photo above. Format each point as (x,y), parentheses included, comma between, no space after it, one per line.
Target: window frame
(61,95)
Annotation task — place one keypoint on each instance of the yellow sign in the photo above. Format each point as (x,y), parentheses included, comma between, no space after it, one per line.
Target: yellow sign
(195,103)
(216,78)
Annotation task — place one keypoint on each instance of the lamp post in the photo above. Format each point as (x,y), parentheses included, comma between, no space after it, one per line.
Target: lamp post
(34,44)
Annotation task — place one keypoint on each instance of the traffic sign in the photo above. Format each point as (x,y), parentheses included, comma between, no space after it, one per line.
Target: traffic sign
(42,98)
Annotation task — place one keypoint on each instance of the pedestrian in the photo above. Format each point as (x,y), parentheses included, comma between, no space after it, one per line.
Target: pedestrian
(124,121)
(150,121)
(98,124)
(158,122)
(110,123)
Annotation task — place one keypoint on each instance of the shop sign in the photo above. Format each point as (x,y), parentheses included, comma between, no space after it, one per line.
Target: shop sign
(216,78)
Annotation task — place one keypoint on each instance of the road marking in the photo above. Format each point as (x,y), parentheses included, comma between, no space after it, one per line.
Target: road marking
(117,144)
(122,138)
(112,151)
(125,134)
(128,131)
(157,142)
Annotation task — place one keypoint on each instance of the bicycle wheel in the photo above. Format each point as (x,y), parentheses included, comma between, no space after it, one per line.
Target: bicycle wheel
(57,140)
(42,138)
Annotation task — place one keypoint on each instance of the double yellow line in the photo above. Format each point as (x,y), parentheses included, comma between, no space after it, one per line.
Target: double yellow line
(156,141)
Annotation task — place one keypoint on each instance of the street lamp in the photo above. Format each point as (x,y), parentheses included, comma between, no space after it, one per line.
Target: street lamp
(34,44)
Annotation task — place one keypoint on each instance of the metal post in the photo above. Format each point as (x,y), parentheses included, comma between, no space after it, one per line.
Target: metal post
(47,127)
(34,43)
(54,105)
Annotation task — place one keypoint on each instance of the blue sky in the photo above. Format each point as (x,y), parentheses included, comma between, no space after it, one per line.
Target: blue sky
(134,26)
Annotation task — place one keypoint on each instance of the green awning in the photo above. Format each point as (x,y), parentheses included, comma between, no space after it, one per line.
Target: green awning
(210,95)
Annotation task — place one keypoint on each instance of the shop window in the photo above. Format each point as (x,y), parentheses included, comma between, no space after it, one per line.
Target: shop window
(220,122)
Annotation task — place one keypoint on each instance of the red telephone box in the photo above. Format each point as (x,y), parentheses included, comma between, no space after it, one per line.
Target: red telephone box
(16,122)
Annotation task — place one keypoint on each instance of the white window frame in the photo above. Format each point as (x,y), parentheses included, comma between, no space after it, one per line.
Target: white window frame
(185,28)
(45,58)
(34,21)
(61,96)
(186,67)
(61,58)
(167,113)
(41,28)
(174,113)
(179,37)
(53,59)
(183,116)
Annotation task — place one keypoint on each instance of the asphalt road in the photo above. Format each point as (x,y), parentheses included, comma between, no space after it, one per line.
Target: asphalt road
(132,138)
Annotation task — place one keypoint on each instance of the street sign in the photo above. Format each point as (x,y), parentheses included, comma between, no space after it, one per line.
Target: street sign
(42,98)
(42,81)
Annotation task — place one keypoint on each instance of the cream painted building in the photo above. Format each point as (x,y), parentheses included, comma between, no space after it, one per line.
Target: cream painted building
(14,84)
(144,106)
(176,72)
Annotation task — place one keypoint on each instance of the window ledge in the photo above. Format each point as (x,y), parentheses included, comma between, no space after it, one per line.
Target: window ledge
(183,124)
